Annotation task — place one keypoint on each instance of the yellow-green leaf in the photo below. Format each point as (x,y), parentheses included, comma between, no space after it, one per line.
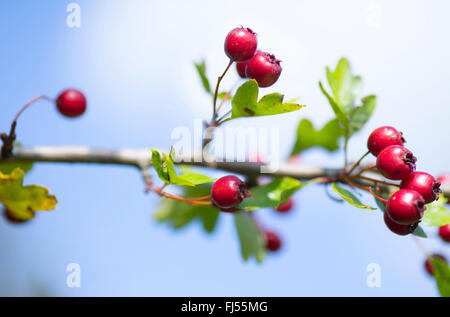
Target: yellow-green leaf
(23,201)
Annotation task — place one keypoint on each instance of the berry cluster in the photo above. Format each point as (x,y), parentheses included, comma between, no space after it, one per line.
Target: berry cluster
(405,208)
(240,47)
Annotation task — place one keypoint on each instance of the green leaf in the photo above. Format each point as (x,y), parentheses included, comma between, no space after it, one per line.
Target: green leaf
(190,179)
(201,69)
(360,115)
(250,237)
(344,85)
(158,166)
(8,167)
(23,201)
(272,194)
(350,197)
(327,137)
(436,214)
(441,273)
(419,232)
(245,102)
(166,172)
(338,111)
(178,214)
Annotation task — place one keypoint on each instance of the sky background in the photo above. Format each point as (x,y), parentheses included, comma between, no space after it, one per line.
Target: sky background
(134,61)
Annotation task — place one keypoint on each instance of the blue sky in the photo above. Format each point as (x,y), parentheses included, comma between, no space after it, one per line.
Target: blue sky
(134,60)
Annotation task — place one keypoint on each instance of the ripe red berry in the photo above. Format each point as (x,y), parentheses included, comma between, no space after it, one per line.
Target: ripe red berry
(383,137)
(240,44)
(429,267)
(227,192)
(273,241)
(241,69)
(406,207)
(398,228)
(12,219)
(286,206)
(264,68)
(424,184)
(444,232)
(71,103)
(396,162)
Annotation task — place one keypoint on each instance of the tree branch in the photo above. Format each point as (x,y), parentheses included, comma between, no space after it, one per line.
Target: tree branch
(142,158)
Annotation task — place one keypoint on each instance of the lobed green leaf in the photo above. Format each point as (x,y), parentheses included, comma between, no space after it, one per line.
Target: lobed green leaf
(361,114)
(338,111)
(327,137)
(245,102)
(250,237)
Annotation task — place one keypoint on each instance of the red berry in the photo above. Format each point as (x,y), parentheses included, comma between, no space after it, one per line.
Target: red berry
(71,103)
(383,137)
(429,267)
(273,241)
(396,162)
(241,69)
(264,68)
(398,228)
(227,192)
(11,218)
(406,207)
(444,232)
(424,184)
(240,44)
(285,207)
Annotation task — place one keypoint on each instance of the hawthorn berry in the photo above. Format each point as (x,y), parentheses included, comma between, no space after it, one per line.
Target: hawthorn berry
(264,68)
(71,103)
(398,228)
(273,241)
(406,207)
(429,267)
(383,137)
(444,232)
(424,184)
(286,206)
(11,218)
(241,69)
(227,192)
(396,162)
(240,44)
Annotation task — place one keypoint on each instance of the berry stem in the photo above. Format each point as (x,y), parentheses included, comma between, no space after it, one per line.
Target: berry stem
(375,181)
(8,139)
(216,92)
(357,163)
(365,170)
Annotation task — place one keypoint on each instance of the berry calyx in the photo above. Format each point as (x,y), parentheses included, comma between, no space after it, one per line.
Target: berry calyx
(444,232)
(398,228)
(423,183)
(264,68)
(241,69)
(383,137)
(396,162)
(273,241)
(71,103)
(286,206)
(429,267)
(227,192)
(406,207)
(240,44)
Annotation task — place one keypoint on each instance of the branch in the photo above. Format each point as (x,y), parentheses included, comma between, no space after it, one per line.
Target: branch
(140,158)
